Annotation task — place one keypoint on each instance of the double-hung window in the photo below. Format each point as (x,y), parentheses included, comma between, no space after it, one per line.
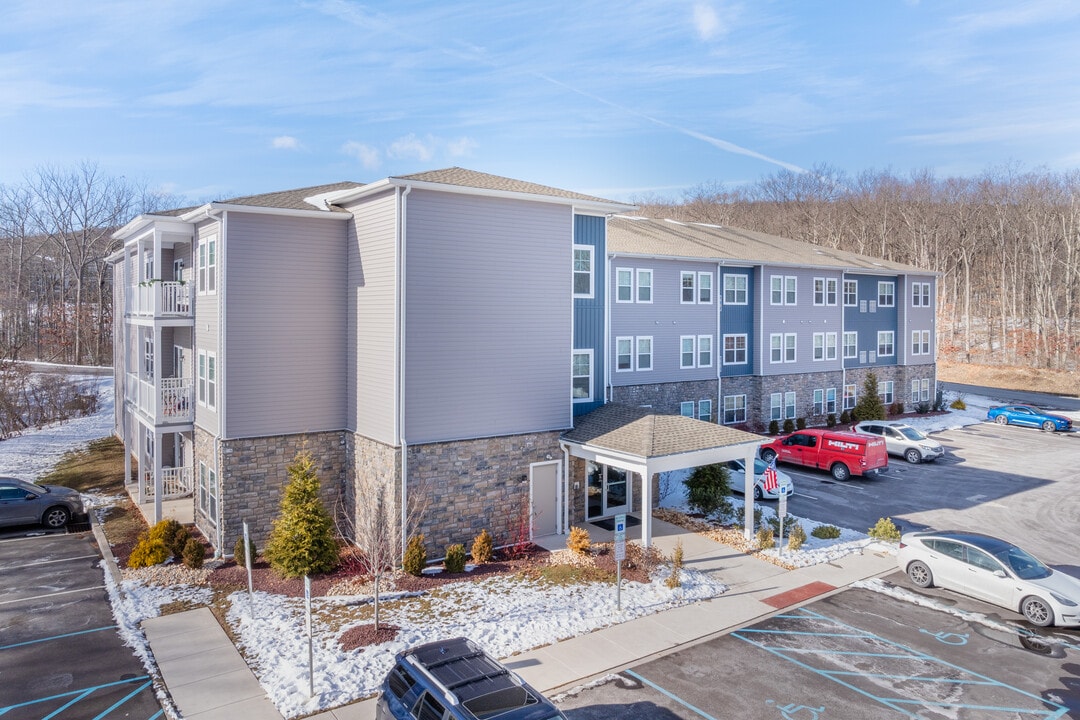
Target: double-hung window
(582,376)
(782,289)
(920,390)
(207,379)
(734,409)
(624,354)
(208,492)
(686,351)
(885,343)
(776,406)
(735,290)
(644,353)
(789,405)
(825,291)
(704,351)
(851,293)
(624,285)
(886,294)
(849,397)
(782,347)
(704,294)
(687,287)
(824,401)
(920,342)
(704,410)
(851,344)
(583,271)
(207,261)
(920,294)
(825,346)
(735,349)
(885,390)
(789,347)
(686,408)
(644,286)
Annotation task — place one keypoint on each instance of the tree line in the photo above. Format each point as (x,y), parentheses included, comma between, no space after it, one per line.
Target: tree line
(1006,245)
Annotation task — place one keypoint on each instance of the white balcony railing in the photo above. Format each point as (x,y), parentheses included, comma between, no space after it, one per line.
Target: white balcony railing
(175,483)
(166,400)
(159,298)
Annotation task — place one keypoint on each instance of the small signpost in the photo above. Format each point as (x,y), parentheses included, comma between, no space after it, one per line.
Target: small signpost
(620,555)
(247,561)
(310,638)
(782,511)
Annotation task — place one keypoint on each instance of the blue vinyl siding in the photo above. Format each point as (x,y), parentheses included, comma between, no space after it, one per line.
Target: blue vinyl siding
(868,323)
(735,320)
(589,312)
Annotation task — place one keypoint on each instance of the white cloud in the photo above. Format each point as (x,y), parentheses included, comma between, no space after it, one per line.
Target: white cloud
(285,142)
(413,147)
(461,147)
(706,21)
(367,155)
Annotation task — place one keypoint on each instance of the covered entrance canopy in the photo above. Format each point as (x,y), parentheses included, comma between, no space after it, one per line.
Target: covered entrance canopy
(639,440)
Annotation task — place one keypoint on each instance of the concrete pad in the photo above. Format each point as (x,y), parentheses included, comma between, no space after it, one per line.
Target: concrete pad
(640,638)
(209,692)
(250,709)
(188,669)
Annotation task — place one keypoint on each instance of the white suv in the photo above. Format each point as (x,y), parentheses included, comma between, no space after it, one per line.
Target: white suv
(900,439)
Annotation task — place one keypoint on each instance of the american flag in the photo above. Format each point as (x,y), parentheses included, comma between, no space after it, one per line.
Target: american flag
(769,479)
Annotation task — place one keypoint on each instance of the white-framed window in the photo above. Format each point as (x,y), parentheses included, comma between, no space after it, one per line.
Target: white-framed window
(830,346)
(624,354)
(735,292)
(782,289)
(687,287)
(644,286)
(920,294)
(704,410)
(644,353)
(925,389)
(825,346)
(583,271)
(148,264)
(735,349)
(208,492)
(885,390)
(148,357)
(582,376)
(776,406)
(789,347)
(885,340)
(824,291)
(686,351)
(734,409)
(851,344)
(776,348)
(790,285)
(920,342)
(624,285)
(849,397)
(920,390)
(851,293)
(886,293)
(207,379)
(208,265)
(789,405)
(704,351)
(824,401)
(915,391)
(686,409)
(704,292)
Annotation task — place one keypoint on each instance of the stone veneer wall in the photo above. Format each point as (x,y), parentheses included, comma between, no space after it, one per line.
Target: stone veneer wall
(666,397)
(804,386)
(470,485)
(750,386)
(252,472)
(374,460)
(901,375)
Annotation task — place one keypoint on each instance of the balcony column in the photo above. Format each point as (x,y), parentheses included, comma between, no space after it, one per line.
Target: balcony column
(158,373)
(140,453)
(159,490)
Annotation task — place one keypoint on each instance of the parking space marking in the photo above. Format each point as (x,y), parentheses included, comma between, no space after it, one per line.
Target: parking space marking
(48,562)
(49,595)
(78,696)
(58,637)
(671,695)
(869,645)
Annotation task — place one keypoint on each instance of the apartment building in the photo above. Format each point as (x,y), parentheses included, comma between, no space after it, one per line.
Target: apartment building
(517,355)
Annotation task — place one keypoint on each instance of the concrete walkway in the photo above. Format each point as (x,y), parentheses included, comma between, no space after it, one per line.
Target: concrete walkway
(208,679)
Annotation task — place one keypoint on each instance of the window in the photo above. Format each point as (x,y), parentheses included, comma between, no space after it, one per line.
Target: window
(624,354)
(920,342)
(789,290)
(148,357)
(825,346)
(581,380)
(704,351)
(686,352)
(926,389)
(915,391)
(735,349)
(920,390)
(704,288)
(644,353)
(920,294)
(849,397)
(208,492)
(789,347)
(583,271)
(734,409)
(624,285)
(644,286)
(789,405)
(851,344)
(824,291)
(686,409)
(688,287)
(830,346)
(884,343)
(704,410)
(885,390)
(885,294)
(851,293)
(830,400)
(782,289)
(207,379)
(735,290)
(208,265)
(776,406)
(776,348)
(148,264)
(428,708)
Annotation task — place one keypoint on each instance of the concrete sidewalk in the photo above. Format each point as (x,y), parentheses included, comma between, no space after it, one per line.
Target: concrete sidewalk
(209,680)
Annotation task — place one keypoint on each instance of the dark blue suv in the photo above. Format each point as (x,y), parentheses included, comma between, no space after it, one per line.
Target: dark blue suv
(456,680)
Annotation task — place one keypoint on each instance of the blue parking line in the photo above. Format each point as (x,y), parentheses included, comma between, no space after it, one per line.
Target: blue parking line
(76,695)
(57,637)
(671,695)
(123,700)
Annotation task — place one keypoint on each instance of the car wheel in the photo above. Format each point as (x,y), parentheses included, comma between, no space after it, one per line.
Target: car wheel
(757,493)
(1037,611)
(768,455)
(1001,420)
(920,574)
(1049,426)
(913,456)
(840,471)
(55,517)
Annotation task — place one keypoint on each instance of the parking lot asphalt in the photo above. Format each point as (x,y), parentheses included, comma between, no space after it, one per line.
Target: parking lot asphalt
(61,656)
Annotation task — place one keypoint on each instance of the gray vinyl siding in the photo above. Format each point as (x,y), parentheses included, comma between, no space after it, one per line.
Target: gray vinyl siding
(589,312)
(666,320)
(867,320)
(737,320)
(372,320)
(120,364)
(488,313)
(206,326)
(912,318)
(283,366)
(803,319)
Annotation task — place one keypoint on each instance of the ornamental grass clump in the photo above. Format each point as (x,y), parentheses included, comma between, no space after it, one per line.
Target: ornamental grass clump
(579,541)
(674,580)
(796,537)
(765,538)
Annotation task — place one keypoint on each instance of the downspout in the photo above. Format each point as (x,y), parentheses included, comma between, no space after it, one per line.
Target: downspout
(719,356)
(400,342)
(843,360)
(608,390)
(564,516)
(221,371)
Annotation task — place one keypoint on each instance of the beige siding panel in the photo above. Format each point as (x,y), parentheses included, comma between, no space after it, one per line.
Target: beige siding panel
(283,363)
(372,321)
(488,316)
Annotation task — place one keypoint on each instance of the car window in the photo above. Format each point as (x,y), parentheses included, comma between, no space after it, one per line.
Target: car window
(428,708)
(8,492)
(1024,565)
(948,548)
(400,681)
(912,434)
(980,559)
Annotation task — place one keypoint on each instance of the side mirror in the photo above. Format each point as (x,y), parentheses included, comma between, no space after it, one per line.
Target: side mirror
(1000,574)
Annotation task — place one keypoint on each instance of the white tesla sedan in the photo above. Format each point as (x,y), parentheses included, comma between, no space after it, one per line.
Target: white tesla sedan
(992,570)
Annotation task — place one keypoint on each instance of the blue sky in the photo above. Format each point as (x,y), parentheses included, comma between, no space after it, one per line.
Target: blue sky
(219,98)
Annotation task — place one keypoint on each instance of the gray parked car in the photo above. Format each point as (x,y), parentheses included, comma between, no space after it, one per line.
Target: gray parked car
(24,503)
(456,680)
(903,440)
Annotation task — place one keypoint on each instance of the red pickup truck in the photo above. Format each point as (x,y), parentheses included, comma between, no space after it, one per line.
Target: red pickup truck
(842,453)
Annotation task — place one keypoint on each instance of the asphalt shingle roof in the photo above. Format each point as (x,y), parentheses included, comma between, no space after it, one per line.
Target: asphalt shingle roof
(291,199)
(645,433)
(483,181)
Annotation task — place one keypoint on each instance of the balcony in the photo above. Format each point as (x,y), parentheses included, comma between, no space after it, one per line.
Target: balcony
(175,483)
(164,401)
(160,299)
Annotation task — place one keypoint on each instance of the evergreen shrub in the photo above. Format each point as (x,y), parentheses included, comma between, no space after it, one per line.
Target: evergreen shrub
(454,562)
(483,548)
(826,532)
(415,559)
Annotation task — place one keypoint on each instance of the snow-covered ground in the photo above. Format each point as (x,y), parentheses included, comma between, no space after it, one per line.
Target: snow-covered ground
(506,615)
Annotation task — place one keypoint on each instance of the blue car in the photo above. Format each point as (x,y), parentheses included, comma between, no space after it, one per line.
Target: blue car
(1029,416)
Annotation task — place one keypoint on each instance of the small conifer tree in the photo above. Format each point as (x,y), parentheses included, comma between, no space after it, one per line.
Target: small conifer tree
(707,490)
(302,539)
(870,406)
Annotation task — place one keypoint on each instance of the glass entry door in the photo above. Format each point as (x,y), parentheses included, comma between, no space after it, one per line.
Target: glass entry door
(608,491)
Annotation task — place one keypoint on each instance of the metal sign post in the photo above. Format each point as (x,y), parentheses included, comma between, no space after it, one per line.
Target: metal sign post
(310,641)
(248,560)
(783,514)
(620,555)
